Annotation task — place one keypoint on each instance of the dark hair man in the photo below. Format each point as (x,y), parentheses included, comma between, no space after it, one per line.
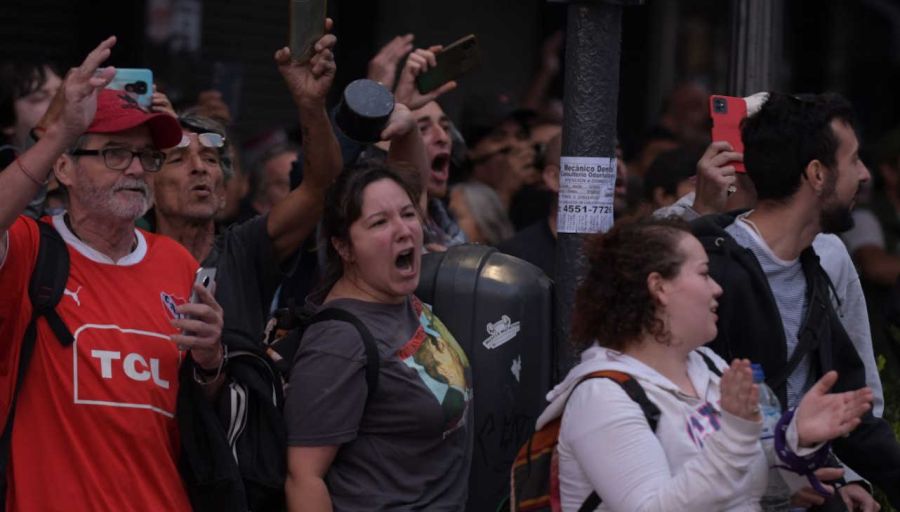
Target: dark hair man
(802,155)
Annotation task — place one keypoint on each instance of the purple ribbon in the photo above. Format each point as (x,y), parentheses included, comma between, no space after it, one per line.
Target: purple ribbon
(804,466)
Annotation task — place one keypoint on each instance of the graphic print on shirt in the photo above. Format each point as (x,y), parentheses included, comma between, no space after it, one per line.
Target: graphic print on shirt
(169,302)
(703,421)
(442,365)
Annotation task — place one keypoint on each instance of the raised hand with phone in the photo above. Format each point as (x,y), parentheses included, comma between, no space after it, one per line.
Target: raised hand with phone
(293,219)
(309,80)
(417,63)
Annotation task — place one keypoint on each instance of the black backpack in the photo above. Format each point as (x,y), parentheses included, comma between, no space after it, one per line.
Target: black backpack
(45,289)
(247,424)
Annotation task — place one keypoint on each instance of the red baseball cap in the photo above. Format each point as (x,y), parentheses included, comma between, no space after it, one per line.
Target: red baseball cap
(117,111)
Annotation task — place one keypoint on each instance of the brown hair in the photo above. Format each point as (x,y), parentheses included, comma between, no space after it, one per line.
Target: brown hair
(613,304)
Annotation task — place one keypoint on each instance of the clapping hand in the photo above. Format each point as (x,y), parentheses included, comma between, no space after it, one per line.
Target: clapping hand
(739,395)
(822,415)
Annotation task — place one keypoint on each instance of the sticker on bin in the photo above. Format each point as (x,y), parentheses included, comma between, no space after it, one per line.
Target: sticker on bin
(501,332)
(587,187)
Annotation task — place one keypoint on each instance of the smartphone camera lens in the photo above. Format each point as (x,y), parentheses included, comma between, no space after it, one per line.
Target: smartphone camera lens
(720,106)
(137,87)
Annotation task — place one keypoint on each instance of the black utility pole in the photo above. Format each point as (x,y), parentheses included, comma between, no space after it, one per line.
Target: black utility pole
(593,41)
(757,28)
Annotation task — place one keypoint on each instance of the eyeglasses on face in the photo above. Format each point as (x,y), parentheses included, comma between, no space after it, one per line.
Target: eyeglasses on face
(119,159)
(206,139)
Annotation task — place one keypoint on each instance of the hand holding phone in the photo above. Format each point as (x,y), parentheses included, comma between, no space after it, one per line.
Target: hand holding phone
(205,277)
(453,61)
(138,83)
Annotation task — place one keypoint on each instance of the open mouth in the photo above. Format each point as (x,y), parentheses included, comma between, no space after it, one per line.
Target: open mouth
(202,189)
(404,260)
(441,163)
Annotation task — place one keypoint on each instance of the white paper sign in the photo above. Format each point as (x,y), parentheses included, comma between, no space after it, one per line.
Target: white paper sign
(587,186)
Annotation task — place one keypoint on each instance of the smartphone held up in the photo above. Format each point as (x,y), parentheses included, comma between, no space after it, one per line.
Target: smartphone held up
(727,112)
(307,27)
(453,61)
(137,83)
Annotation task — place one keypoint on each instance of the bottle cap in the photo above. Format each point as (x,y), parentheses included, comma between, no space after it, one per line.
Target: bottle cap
(759,376)
(364,111)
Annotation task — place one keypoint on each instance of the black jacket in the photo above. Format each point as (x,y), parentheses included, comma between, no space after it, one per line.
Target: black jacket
(750,327)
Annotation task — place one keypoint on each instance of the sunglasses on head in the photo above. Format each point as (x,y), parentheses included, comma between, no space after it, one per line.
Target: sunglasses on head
(206,139)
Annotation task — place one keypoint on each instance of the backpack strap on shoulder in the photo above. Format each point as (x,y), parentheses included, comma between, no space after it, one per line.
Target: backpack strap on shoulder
(45,289)
(710,363)
(373,362)
(636,392)
(48,281)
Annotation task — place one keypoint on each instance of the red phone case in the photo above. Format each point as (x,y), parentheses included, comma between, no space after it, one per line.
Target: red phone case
(727,113)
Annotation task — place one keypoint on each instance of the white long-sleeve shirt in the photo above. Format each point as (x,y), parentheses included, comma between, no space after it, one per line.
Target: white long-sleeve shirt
(699,458)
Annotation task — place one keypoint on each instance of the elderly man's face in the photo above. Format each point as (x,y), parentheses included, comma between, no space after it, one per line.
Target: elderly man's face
(99,191)
(191,183)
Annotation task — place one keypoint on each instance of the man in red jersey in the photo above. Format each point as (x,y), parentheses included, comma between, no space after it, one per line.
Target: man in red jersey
(94,425)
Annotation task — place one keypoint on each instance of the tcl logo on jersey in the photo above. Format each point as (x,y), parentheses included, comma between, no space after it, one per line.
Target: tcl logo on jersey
(117,367)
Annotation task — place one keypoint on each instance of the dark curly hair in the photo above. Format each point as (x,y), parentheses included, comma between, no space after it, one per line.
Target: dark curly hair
(786,134)
(613,304)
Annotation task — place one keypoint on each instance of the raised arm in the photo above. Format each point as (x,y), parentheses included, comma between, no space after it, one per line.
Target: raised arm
(70,113)
(407,152)
(294,218)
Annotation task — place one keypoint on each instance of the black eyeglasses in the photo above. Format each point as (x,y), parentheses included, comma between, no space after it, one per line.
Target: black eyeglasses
(118,159)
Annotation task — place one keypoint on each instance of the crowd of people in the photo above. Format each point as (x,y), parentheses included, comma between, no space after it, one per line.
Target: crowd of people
(131,378)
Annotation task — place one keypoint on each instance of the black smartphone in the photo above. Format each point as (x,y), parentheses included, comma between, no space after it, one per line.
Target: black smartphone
(453,61)
(307,27)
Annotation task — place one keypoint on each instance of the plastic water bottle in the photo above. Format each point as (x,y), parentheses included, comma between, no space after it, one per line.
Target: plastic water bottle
(777,497)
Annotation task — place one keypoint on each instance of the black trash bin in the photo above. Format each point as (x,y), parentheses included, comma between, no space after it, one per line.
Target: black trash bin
(500,309)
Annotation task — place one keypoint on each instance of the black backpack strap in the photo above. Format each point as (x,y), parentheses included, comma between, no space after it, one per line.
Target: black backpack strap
(807,341)
(373,362)
(45,289)
(636,392)
(48,281)
(710,363)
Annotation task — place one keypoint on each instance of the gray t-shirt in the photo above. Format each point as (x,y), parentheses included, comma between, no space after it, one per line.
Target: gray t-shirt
(411,447)
(788,285)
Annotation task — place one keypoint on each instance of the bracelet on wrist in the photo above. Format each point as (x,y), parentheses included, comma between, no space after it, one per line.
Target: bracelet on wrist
(204,376)
(802,465)
(28,174)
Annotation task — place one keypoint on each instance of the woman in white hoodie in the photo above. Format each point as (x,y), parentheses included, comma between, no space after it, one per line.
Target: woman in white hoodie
(646,307)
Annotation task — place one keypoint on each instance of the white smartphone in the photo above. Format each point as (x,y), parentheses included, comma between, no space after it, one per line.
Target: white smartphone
(205,277)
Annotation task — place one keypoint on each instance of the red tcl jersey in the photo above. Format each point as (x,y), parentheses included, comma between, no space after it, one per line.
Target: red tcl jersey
(95,422)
